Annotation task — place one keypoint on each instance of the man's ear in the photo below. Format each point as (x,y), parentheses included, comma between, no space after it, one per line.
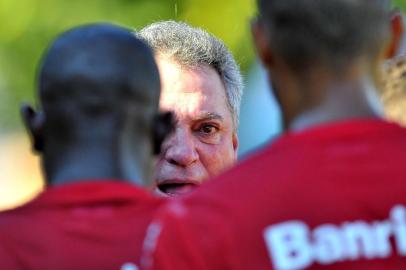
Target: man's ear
(261,41)
(397,34)
(235,143)
(34,122)
(164,124)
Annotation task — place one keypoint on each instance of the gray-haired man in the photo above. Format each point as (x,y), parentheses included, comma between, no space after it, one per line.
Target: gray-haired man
(202,85)
(327,194)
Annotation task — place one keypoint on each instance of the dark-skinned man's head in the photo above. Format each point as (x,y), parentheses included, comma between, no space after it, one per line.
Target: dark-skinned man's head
(98,114)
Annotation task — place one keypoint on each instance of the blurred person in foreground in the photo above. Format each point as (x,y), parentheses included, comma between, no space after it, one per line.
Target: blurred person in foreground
(96,130)
(394,90)
(330,192)
(202,85)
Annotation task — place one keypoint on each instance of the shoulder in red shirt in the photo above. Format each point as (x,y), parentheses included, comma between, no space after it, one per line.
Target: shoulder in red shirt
(88,225)
(330,197)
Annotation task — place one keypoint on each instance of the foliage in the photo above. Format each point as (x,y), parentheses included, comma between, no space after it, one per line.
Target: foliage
(27,26)
(400,3)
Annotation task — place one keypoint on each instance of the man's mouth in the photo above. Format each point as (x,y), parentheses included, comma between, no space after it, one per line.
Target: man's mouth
(177,188)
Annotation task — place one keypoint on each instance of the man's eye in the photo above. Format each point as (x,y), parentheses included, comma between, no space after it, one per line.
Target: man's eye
(208,129)
(208,133)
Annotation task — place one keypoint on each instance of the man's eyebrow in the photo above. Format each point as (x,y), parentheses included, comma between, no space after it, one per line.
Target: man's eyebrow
(208,116)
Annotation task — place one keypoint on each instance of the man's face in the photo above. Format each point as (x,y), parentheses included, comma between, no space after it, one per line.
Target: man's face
(203,143)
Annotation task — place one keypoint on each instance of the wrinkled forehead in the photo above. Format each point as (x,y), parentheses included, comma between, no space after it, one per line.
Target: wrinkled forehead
(192,92)
(192,107)
(185,103)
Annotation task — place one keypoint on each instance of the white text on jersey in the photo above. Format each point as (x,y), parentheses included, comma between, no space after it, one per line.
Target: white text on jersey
(293,245)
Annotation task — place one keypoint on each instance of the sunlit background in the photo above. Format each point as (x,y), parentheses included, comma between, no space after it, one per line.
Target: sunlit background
(27,26)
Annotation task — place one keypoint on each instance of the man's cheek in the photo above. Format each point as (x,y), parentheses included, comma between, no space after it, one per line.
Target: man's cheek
(217,160)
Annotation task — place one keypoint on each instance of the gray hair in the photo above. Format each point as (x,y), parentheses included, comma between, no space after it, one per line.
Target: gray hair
(191,47)
(328,32)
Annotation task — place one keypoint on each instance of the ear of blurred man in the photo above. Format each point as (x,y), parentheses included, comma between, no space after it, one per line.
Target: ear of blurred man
(289,101)
(397,32)
(34,122)
(261,42)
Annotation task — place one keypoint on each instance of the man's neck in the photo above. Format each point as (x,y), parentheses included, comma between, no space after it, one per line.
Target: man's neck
(343,100)
(87,163)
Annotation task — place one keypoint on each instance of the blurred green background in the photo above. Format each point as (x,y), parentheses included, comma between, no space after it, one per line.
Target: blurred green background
(27,26)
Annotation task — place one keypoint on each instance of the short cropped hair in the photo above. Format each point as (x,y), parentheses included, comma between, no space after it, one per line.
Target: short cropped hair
(394,90)
(191,47)
(328,32)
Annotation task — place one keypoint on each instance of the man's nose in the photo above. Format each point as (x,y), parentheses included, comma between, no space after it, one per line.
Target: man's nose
(180,148)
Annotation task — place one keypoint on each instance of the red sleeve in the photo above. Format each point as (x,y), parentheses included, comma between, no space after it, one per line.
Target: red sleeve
(7,260)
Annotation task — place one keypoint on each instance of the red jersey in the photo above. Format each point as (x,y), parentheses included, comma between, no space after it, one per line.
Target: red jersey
(87,225)
(330,197)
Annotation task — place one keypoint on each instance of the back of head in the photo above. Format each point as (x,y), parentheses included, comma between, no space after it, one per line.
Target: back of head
(191,47)
(93,68)
(99,90)
(331,33)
